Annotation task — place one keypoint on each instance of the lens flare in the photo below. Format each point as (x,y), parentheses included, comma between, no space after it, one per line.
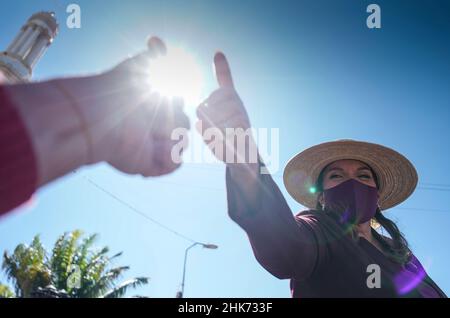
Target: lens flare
(177,74)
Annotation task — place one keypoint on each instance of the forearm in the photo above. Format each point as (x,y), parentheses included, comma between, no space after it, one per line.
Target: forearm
(252,194)
(59,116)
(251,181)
(246,178)
(282,246)
(56,126)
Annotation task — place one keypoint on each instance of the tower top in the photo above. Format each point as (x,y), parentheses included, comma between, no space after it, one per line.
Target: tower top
(19,59)
(48,19)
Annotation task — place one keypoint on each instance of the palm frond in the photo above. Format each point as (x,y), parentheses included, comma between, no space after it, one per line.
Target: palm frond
(115,256)
(26,268)
(83,251)
(107,281)
(121,290)
(63,255)
(6,292)
(33,272)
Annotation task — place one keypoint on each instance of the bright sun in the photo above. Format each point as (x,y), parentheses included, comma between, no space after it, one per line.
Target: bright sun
(177,74)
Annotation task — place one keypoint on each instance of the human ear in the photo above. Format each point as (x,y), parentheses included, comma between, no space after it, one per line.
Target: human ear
(321,199)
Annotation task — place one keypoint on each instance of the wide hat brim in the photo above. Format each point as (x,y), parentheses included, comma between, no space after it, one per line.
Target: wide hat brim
(397,177)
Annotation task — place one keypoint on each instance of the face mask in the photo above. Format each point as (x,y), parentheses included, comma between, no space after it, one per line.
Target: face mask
(356,201)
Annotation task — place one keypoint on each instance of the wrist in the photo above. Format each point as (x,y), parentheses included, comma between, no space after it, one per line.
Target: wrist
(98,102)
(246,160)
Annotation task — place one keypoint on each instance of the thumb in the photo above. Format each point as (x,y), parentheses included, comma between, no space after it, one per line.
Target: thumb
(222,69)
(156,46)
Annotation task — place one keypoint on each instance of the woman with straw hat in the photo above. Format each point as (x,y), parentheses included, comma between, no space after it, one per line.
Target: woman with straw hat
(333,249)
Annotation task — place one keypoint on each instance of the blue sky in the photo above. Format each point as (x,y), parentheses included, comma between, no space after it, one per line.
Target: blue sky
(310,68)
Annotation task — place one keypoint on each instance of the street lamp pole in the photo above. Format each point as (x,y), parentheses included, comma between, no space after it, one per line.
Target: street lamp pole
(180,294)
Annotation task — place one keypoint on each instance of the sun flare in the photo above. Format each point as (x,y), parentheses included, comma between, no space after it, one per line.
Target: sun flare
(177,74)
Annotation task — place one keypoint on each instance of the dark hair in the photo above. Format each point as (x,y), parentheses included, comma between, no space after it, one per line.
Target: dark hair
(398,249)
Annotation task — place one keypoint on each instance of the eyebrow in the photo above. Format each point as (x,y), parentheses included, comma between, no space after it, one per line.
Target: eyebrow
(340,169)
(332,169)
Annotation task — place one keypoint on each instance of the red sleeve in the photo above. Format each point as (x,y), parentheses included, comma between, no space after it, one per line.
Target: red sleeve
(18,171)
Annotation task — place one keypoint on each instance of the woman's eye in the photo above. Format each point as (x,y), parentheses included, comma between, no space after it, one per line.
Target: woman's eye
(334,176)
(365,176)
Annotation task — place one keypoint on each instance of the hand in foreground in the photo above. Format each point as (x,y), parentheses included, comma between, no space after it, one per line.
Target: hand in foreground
(139,121)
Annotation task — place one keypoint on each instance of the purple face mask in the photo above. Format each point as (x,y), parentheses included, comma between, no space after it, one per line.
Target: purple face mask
(356,201)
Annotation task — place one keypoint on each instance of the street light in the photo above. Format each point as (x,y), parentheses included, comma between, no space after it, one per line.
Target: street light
(180,294)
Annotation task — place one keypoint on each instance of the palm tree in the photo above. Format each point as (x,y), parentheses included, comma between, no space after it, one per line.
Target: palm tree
(74,269)
(6,292)
(27,267)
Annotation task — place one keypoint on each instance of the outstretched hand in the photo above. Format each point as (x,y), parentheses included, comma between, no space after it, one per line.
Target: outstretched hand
(141,120)
(223,110)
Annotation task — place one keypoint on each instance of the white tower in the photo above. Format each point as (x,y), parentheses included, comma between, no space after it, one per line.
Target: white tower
(17,62)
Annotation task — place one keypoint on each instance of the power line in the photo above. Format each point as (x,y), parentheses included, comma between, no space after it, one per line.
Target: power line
(137,211)
(421,186)
(433,189)
(421,209)
(217,189)
(440,185)
(167,228)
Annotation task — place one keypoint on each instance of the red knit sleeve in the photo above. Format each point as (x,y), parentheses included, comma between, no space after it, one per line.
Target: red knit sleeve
(18,171)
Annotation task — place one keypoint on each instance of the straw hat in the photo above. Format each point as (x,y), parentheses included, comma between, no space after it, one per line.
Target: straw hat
(397,177)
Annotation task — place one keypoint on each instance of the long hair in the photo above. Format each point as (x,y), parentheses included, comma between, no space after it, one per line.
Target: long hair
(398,249)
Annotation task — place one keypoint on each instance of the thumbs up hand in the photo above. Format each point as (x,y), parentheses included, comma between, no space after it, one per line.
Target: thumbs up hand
(224,113)
(141,121)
